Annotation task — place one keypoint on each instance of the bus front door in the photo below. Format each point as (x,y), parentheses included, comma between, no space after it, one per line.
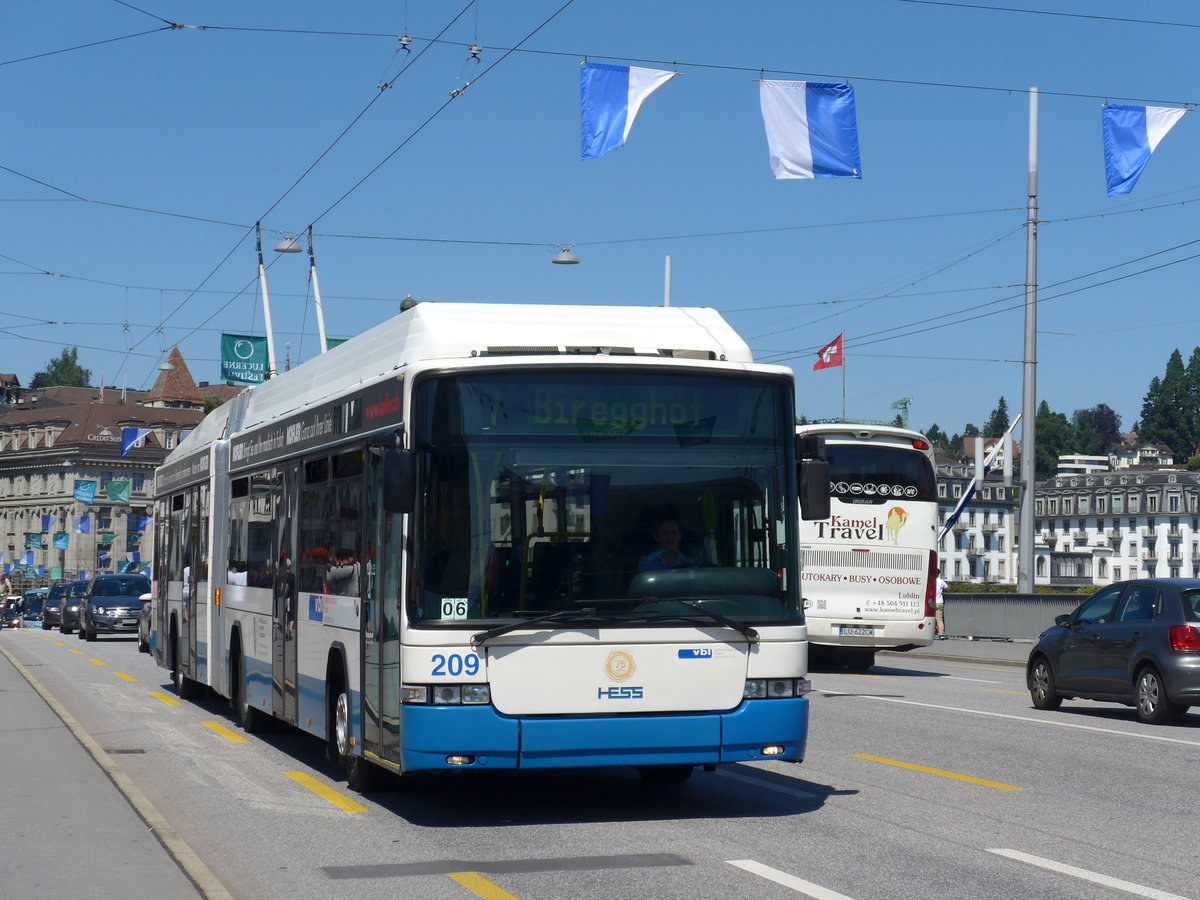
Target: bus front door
(380,621)
(283,661)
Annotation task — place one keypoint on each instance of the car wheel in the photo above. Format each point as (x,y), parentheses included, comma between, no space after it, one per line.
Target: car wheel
(1041,686)
(89,635)
(1152,704)
(79,632)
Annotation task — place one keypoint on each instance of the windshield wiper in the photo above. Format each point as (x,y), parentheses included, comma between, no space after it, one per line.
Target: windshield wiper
(480,638)
(742,628)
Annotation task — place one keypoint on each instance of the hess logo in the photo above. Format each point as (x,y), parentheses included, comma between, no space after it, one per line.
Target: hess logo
(624,692)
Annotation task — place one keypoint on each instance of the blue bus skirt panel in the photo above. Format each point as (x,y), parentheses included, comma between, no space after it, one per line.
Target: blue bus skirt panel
(430,734)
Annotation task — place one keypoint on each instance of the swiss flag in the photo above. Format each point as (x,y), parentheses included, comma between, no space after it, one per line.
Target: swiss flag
(831,354)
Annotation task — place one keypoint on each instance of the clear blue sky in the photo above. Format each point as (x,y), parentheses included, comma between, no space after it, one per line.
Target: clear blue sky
(219,123)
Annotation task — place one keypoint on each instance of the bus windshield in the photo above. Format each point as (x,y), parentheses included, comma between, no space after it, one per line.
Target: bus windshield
(603,488)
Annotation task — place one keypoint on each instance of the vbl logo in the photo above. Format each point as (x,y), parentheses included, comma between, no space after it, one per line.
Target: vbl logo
(619,693)
(700,653)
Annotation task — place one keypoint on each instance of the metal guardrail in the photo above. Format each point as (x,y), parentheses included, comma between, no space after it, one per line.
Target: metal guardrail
(1004,616)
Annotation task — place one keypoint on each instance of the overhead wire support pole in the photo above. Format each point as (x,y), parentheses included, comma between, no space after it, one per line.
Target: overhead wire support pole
(1025,557)
(262,283)
(312,274)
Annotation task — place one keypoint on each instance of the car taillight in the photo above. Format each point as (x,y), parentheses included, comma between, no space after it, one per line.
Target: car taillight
(931,579)
(1184,638)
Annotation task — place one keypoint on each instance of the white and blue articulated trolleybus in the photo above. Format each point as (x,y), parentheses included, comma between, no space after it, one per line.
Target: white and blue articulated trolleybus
(501,537)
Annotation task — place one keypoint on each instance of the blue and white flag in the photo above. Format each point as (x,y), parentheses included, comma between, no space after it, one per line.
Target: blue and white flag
(969,490)
(1131,134)
(812,129)
(133,437)
(609,100)
(81,525)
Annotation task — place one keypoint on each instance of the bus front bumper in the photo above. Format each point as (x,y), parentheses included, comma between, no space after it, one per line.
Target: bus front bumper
(462,737)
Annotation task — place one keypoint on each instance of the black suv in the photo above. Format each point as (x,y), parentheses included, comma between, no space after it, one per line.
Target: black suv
(111,605)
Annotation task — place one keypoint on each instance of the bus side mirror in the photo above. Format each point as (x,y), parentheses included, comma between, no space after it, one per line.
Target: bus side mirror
(814,488)
(399,482)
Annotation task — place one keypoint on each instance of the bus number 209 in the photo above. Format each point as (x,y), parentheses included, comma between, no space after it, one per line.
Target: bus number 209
(455,665)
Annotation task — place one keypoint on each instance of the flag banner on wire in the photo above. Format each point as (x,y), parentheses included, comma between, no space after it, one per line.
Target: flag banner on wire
(62,541)
(609,100)
(831,354)
(117,491)
(1131,134)
(243,358)
(133,437)
(812,129)
(33,541)
(49,522)
(81,525)
(969,490)
(85,491)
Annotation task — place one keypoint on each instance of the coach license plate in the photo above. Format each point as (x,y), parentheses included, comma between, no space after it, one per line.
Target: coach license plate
(856,630)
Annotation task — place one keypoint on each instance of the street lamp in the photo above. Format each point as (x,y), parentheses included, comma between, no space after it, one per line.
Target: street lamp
(566,258)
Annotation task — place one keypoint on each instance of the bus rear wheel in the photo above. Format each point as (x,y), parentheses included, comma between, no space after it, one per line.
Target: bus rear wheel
(252,719)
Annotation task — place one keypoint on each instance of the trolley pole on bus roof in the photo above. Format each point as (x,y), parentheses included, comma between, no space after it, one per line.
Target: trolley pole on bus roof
(262,283)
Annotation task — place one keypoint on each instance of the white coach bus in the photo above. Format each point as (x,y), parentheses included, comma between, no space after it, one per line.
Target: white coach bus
(870,569)
(500,537)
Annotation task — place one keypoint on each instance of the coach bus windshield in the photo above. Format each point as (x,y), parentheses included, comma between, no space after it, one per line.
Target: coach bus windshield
(609,489)
(870,474)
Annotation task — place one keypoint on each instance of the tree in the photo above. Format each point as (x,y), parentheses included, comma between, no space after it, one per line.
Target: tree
(1106,422)
(64,370)
(1054,436)
(998,421)
(1084,437)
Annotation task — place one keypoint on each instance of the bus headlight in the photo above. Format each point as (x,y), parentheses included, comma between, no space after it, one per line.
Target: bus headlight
(446,694)
(775,688)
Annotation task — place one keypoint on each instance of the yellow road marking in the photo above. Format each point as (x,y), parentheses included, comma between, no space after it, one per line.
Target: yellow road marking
(73,650)
(59,644)
(481,887)
(341,801)
(46,637)
(165,698)
(232,736)
(997,691)
(98,662)
(999,785)
(124,677)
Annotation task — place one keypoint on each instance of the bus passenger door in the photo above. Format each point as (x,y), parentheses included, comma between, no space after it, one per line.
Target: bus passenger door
(283,663)
(380,620)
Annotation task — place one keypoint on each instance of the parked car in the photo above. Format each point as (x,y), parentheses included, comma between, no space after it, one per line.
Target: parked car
(70,609)
(1133,642)
(52,611)
(111,605)
(145,629)
(31,607)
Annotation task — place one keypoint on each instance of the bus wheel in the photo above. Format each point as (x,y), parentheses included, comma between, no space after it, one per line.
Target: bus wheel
(665,774)
(252,719)
(361,775)
(858,660)
(184,686)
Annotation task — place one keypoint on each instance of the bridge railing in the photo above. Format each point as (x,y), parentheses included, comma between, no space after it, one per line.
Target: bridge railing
(1004,616)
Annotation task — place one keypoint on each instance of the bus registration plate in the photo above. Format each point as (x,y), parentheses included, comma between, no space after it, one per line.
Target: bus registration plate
(857,630)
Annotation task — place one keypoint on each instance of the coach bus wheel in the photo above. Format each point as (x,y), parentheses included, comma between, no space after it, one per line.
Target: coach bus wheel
(665,774)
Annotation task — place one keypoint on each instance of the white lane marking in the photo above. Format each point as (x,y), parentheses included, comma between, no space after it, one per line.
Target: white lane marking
(788,881)
(996,715)
(977,680)
(766,785)
(1108,881)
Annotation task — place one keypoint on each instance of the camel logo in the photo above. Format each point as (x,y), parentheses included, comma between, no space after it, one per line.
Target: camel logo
(896,517)
(620,666)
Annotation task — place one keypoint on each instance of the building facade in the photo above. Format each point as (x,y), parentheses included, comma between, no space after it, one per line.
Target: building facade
(72,502)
